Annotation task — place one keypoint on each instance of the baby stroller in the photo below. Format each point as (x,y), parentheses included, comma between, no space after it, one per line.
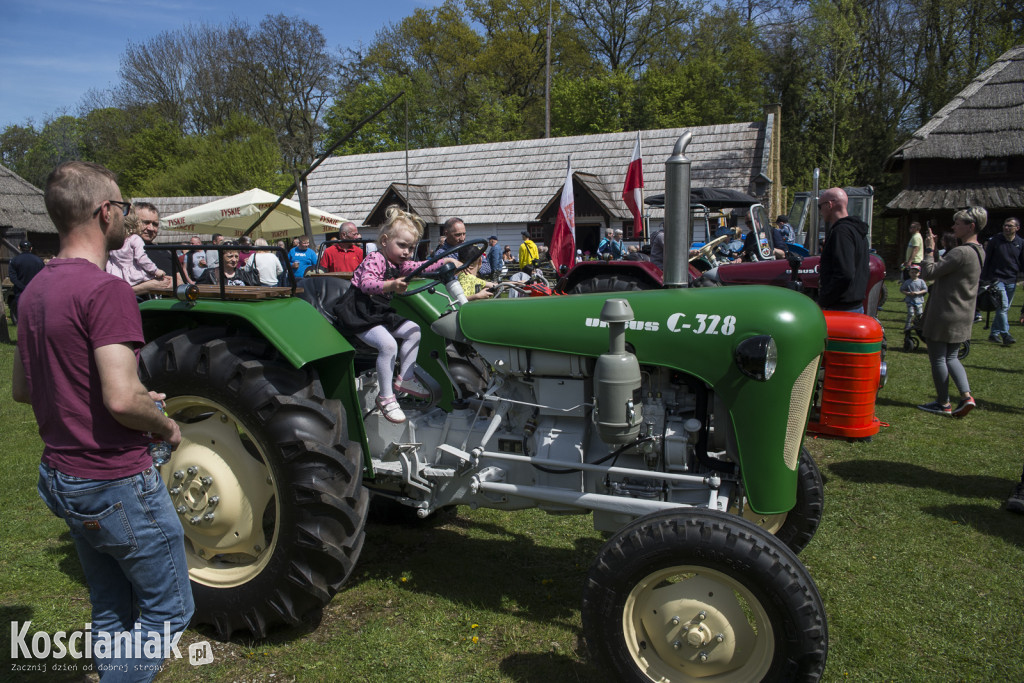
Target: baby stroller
(913,337)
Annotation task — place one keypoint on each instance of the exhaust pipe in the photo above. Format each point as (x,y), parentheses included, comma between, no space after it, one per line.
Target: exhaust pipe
(812,229)
(678,231)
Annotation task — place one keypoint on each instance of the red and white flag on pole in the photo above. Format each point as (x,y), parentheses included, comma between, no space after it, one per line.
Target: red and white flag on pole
(633,190)
(563,242)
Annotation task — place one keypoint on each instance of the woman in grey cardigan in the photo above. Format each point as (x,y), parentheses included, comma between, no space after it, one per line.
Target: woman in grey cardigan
(949,315)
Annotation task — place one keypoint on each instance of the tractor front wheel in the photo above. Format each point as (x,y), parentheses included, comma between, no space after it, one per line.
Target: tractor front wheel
(695,595)
(797,527)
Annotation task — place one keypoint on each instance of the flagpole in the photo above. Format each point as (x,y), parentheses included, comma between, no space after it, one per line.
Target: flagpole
(643,219)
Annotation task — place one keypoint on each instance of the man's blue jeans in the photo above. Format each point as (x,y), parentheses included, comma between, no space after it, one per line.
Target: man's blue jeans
(1001,325)
(131,546)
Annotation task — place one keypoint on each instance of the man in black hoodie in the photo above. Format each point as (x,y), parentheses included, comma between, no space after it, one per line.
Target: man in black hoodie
(843,273)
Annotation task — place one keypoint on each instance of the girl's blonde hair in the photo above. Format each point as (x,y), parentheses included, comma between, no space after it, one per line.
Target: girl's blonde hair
(396,219)
(132,226)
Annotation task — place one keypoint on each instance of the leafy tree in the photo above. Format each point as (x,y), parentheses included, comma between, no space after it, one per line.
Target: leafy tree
(625,33)
(16,143)
(289,77)
(279,73)
(602,103)
(233,158)
(33,154)
(715,77)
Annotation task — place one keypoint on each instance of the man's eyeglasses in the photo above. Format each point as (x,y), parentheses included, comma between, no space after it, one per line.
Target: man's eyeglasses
(126,207)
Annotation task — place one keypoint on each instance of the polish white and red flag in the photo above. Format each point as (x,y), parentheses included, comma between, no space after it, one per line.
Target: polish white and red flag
(633,190)
(563,241)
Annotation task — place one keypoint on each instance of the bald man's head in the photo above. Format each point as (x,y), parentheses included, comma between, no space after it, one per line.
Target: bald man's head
(832,205)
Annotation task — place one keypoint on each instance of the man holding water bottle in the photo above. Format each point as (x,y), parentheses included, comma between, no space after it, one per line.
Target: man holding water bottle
(76,365)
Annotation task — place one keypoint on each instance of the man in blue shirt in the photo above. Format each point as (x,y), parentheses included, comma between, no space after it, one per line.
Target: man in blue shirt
(302,257)
(492,262)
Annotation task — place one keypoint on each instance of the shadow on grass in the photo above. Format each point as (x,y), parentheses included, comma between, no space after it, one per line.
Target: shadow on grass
(905,474)
(543,583)
(885,401)
(983,404)
(67,560)
(986,368)
(994,407)
(988,520)
(542,668)
(64,669)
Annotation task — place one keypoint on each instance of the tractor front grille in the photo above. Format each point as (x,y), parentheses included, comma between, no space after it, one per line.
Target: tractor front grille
(799,403)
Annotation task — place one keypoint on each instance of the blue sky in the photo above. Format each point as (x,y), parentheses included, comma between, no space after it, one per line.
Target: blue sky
(53,51)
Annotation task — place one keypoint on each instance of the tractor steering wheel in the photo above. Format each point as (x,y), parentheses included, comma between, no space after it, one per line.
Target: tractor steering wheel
(434,259)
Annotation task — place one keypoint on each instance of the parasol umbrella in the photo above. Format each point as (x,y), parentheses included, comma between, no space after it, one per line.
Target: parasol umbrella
(232,216)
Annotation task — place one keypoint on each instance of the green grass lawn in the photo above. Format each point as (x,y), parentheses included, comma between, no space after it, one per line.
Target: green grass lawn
(920,569)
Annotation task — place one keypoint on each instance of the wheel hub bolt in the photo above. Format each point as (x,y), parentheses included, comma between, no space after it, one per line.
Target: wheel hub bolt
(206,481)
(703,657)
(193,469)
(214,500)
(677,644)
(208,516)
(181,509)
(195,520)
(675,621)
(702,615)
(175,490)
(719,638)
(179,475)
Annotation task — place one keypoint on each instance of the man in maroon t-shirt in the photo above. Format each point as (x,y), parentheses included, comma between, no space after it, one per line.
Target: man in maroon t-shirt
(76,364)
(343,257)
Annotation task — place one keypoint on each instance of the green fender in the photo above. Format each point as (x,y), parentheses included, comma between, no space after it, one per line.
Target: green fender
(294,327)
(694,331)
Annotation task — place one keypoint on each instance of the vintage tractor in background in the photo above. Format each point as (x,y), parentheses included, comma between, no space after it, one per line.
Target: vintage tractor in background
(675,417)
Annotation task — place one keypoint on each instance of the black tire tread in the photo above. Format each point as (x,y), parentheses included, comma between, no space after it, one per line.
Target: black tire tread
(322,501)
(803,520)
(608,283)
(719,541)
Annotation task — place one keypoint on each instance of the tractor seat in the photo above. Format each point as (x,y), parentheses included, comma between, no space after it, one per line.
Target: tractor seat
(322,293)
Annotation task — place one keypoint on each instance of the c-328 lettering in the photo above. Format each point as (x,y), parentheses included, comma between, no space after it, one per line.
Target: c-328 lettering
(703,323)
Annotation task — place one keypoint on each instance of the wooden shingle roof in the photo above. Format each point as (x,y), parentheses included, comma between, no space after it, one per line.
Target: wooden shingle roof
(984,120)
(21,204)
(512,182)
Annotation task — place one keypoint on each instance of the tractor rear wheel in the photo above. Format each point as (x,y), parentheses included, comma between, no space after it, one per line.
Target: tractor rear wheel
(608,283)
(272,504)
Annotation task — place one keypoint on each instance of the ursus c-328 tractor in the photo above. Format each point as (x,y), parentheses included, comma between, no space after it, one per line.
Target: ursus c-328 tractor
(675,417)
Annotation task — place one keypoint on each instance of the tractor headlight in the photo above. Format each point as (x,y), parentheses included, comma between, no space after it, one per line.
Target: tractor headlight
(757,357)
(187,293)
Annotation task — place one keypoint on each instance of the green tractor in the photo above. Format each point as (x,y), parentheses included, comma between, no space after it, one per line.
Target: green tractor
(675,417)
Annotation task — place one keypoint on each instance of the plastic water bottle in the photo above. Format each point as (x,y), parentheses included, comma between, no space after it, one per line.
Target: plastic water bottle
(159,449)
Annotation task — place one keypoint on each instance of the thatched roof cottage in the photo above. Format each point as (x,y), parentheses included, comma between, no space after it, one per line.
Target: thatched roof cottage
(970,153)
